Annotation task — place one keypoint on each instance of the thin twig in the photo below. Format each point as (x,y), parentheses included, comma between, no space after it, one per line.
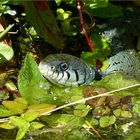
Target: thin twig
(94,130)
(89,98)
(89,41)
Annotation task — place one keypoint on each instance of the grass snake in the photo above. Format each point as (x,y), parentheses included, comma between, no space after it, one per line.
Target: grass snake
(67,70)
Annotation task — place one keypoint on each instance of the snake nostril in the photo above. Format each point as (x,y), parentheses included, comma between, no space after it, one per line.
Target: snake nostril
(52,67)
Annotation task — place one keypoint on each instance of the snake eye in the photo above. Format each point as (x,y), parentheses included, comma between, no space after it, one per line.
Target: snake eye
(63,66)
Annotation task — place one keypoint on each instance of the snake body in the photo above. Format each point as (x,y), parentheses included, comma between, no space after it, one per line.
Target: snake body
(68,70)
(127,62)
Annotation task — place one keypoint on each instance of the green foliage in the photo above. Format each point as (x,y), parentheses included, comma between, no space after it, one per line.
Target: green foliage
(32,31)
(68,124)
(25,122)
(2,34)
(3,8)
(64,120)
(136,105)
(64,95)
(20,123)
(133,134)
(107,120)
(92,4)
(62,15)
(10,1)
(100,8)
(81,110)
(67,27)
(109,11)
(101,50)
(122,113)
(109,82)
(26,114)
(36,125)
(32,86)
(38,90)
(41,18)
(3,95)
(4,112)
(17,106)
(40,109)
(58,2)
(6,53)
(6,125)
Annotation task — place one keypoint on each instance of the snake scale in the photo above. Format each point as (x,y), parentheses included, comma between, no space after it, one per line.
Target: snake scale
(67,70)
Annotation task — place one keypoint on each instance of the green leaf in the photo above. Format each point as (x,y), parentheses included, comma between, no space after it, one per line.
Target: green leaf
(20,100)
(65,94)
(19,121)
(68,28)
(101,111)
(30,115)
(62,120)
(58,2)
(3,8)
(81,110)
(136,106)
(32,85)
(109,82)
(126,114)
(107,120)
(3,95)
(93,121)
(76,98)
(41,108)
(122,113)
(21,132)
(117,112)
(63,15)
(95,3)
(109,11)
(37,110)
(7,125)
(6,53)
(5,112)
(17,106)
(101,50)
(44,22)
(32,32)
(2,34)
(36,125)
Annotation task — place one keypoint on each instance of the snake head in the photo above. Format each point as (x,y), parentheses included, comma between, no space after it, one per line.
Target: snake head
(65,69)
